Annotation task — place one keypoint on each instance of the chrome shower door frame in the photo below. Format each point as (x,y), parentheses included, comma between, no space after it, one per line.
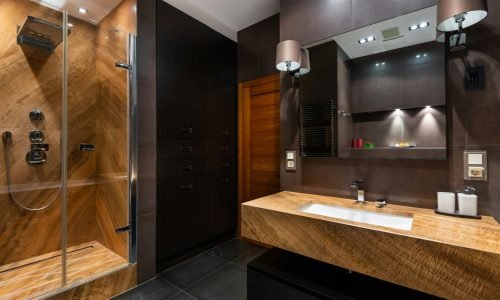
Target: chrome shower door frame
(132,146)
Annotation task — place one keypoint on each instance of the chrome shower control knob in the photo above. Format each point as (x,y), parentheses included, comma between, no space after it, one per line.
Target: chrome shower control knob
(36,136)
(36,115)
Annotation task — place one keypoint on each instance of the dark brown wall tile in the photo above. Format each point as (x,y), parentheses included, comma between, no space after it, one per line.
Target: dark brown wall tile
(146,184)
(146,79)
(308,21)
(373,11)
(146,252)
(257,49)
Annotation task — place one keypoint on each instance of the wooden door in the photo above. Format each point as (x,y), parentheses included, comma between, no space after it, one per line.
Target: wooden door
(258,138)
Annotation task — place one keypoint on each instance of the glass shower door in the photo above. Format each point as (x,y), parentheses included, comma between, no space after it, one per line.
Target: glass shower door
(67,172)
(31,92)
(99,120)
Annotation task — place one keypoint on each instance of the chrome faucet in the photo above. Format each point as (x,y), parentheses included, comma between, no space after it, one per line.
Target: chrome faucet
(359,186)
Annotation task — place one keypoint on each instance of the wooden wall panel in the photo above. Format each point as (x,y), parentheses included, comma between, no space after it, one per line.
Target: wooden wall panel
(258,138)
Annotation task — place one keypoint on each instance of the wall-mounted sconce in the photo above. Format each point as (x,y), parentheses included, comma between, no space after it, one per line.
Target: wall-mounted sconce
(305,64)
(288,56)
(292,59)
(453,17)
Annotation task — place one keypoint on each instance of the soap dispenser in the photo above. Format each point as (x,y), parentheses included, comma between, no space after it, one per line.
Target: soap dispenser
(467,202)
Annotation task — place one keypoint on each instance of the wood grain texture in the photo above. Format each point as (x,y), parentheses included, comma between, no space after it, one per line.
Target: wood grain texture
(38,275)
(112,124)
(105,287)
(28,235)
(112,212)
(258,139)
(32,78)
(444,256)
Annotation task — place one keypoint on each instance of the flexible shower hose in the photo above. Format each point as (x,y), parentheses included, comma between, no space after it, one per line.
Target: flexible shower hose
(7,139)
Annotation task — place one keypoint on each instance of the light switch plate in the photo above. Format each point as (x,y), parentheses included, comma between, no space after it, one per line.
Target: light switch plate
(291,161)
(475,165)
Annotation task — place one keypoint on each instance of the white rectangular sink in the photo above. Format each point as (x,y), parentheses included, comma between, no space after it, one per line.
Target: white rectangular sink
(361,216)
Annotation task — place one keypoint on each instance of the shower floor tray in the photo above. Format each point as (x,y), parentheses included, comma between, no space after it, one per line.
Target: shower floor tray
(42,274)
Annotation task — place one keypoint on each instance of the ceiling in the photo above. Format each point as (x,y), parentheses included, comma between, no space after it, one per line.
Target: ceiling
(96,9)
(228,16)
(239,14)
(225,16)
(349,41)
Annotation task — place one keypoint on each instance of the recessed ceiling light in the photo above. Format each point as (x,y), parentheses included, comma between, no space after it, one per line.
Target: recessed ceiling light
(417,56)
(425,54)
(383,63)
(377,64)
(82,10)
(368,39)
(418,26)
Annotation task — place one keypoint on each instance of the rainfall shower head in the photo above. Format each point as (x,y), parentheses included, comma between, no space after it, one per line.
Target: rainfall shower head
(40,33)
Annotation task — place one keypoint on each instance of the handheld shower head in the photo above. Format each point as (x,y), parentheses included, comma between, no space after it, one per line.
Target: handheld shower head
(7,138)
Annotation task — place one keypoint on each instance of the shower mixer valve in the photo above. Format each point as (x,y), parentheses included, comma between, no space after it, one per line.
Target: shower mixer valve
(37,156)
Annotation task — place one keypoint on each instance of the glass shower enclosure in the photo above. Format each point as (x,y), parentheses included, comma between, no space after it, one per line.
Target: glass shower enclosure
(67,163)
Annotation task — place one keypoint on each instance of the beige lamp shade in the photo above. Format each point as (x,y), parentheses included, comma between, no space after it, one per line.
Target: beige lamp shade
(305,65)
(288,56)
(450,12)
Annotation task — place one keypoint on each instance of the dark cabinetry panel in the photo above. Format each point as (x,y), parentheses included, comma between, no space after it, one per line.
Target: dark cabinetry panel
(196,120)
(404,78)
(278,274)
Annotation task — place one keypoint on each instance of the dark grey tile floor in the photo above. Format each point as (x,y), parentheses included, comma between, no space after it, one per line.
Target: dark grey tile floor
(219,273)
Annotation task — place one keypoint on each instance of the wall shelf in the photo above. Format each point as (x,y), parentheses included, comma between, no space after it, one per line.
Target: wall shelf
(395,153)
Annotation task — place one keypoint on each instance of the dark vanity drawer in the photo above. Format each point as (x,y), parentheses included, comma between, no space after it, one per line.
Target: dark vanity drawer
(193,149)
(171,168)
(183,205)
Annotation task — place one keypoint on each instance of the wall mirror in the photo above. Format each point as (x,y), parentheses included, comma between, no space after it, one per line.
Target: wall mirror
(386,84)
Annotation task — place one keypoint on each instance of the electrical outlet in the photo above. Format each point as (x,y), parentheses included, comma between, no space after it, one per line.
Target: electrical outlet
(476,172)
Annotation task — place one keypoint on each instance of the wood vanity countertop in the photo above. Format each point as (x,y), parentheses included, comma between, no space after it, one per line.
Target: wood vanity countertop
(482,235)
(449,257)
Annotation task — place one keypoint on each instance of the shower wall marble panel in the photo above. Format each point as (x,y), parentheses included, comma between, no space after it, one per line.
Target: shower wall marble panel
(112,126)
(32,78)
